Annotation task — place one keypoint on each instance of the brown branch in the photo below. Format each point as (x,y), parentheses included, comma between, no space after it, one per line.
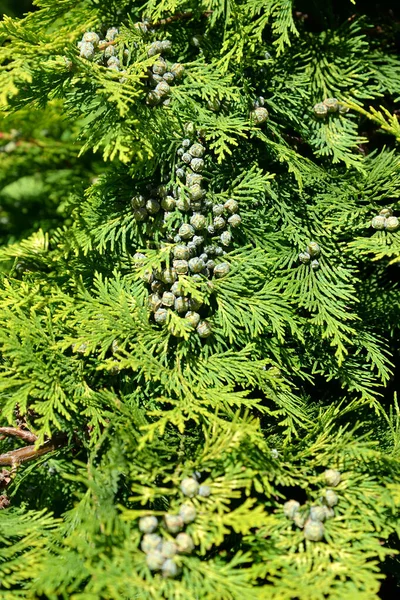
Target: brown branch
(13,458)
(27,436)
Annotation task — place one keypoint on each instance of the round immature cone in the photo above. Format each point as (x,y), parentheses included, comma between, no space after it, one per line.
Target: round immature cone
(313,249)
(154,302)
(109,51)
(192,248)
(226,238)
(188,513)
(332,477)
(331,498)
(197,164)
(162,191)
(155,48)
(150,541)
(147,277)
(219,222)
(160,316)
(317,513)
(180,173)
(189,487)
(181,305)
(378,222)
(290,508)
(260,101)
(198,221)
(159,67)
(320,110)
(343,110)
(169,77)
(186,231)
(162,88)
(197,150)
(315,264)
(196,265)
(196,192)
(91,37)
(181,252)
(218,210)
(304,258)
(392,223)
(138,259)
(140,214)
(87,50)
(177,288)
(168,203)
(138,202)
(299,519)
(153,98)
(198,240)
(231,206)
(148,524)
(195,304)
(154,79)
(155,560)
(193,179)
(210,265)
(113,60)
(168,299)
(177,69)
(183,203)
(152,206)
(181,266)
(111,34)
(259,115)
(221,270)
(313,530)
(168,276)
(235,220)
(204,329)
(204,491)
(187,158)
(331,104)
(184,543)
(386,212)
(192,317)
(189,128)
(157,287)
(173,523)
(168,549)
(329,512)
(169,568)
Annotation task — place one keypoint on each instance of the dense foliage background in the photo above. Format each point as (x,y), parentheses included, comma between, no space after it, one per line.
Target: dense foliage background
(265,440)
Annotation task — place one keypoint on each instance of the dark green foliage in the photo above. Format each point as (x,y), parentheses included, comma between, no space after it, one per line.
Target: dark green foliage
(282,368)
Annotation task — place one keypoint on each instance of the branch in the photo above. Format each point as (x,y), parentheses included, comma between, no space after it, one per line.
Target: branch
(16,457)
(27,436)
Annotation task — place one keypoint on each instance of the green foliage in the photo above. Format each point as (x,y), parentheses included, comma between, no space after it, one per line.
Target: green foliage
(103,411)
